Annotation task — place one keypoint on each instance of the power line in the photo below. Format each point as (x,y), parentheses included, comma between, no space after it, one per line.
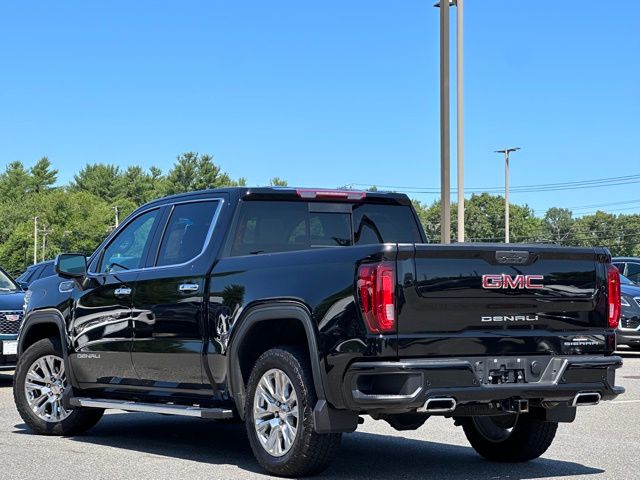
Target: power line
(543,187)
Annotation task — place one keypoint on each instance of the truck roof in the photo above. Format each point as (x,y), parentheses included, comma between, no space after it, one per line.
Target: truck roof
(292,193)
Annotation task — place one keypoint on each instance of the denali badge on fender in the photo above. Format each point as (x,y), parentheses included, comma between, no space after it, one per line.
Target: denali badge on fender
(516,282)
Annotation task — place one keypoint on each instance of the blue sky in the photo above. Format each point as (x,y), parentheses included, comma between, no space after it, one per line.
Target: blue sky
(327,93)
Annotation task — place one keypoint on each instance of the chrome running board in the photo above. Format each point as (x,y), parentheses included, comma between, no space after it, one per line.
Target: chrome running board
(163,408)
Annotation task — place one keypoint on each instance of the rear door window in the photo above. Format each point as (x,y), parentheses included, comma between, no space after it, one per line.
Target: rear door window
(186,232)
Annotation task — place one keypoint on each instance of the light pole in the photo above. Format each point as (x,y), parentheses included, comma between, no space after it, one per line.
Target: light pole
(445,135)
(460,115)
(506,153)
(117,213)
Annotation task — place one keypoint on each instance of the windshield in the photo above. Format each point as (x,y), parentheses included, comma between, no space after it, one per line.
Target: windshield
(6,283)
(625,281)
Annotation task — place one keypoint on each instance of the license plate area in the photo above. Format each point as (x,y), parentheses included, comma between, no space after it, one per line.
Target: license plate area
(499,371)
(9,347)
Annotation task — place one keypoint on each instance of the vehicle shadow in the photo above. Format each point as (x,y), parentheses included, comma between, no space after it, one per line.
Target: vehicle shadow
(361,456)
(6,379)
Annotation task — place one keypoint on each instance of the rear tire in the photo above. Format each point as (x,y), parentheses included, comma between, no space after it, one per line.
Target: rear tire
(38,386)
(280,393)
(509,438)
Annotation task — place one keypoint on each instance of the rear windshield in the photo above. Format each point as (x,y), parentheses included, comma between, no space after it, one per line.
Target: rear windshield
(278,226)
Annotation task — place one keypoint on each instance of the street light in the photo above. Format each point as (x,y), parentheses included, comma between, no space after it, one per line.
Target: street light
(506,153)
(445,137)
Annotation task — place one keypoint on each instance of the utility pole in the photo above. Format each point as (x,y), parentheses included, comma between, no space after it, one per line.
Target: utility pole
(35,240)
(506,153)
(445,138)
(460,114)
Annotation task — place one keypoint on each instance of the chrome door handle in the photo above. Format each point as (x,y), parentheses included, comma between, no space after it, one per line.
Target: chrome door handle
(188,287)
(122,292)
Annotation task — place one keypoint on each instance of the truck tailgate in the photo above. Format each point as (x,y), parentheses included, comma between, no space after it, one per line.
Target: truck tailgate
(502,300)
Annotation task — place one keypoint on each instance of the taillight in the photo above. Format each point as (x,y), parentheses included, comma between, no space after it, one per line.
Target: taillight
(613,279)
(376,292)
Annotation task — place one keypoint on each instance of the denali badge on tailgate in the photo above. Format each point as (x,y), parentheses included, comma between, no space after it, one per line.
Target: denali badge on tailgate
(515,282)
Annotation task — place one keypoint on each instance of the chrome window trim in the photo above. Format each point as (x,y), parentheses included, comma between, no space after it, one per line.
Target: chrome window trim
(207,239)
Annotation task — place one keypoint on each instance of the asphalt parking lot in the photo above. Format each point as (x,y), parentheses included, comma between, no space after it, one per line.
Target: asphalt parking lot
(601,444)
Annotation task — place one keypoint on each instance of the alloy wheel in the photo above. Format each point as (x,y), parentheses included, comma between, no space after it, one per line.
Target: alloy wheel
(275,412)
(44,387)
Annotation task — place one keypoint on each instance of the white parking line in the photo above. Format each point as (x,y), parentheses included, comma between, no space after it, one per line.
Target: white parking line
(625,401)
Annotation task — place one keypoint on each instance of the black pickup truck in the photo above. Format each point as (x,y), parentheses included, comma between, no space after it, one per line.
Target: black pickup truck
(297,311)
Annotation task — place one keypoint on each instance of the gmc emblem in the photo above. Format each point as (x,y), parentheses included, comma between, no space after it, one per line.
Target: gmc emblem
(516,282)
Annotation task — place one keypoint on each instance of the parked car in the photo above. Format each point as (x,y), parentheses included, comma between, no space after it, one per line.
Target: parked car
(298,310)
(11,303)
(629,267)
(35,272)
(629,328)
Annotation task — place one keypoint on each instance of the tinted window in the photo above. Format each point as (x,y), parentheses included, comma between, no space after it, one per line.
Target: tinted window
(265,227)
(271,227)
(384,224)
(186,232)
(126,250)
(619,266)
(46,271)
(633,271)
(26,276)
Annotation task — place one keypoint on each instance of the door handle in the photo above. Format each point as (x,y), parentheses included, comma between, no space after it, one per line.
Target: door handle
(188,287)
(122,292)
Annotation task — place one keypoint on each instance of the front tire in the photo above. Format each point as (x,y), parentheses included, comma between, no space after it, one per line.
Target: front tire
(278,415)
(39,384)
(509,438)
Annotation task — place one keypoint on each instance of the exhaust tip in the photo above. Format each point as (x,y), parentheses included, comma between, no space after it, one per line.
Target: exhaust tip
(586,398)
(439,405)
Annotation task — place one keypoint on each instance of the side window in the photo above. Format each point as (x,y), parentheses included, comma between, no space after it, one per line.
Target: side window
(126,250)
(633,272)
(186,232)
(46,271)
(620,267)
(26,276)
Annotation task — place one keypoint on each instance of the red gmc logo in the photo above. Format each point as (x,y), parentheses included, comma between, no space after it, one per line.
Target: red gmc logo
(516,282)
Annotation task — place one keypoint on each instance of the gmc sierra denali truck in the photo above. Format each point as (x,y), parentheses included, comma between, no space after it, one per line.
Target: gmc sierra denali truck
(297,311)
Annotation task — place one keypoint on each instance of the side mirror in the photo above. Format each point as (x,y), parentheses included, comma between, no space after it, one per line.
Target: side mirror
(71,265)
(23,285)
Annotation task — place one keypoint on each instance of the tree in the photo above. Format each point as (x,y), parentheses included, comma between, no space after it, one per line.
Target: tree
(139,186)
(196,172)
(99,179)
(278,182)
(559,225)
(14,181)
(43,177)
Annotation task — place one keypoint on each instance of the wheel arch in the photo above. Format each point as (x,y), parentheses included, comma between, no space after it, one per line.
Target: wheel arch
(42,324)
(251,320)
